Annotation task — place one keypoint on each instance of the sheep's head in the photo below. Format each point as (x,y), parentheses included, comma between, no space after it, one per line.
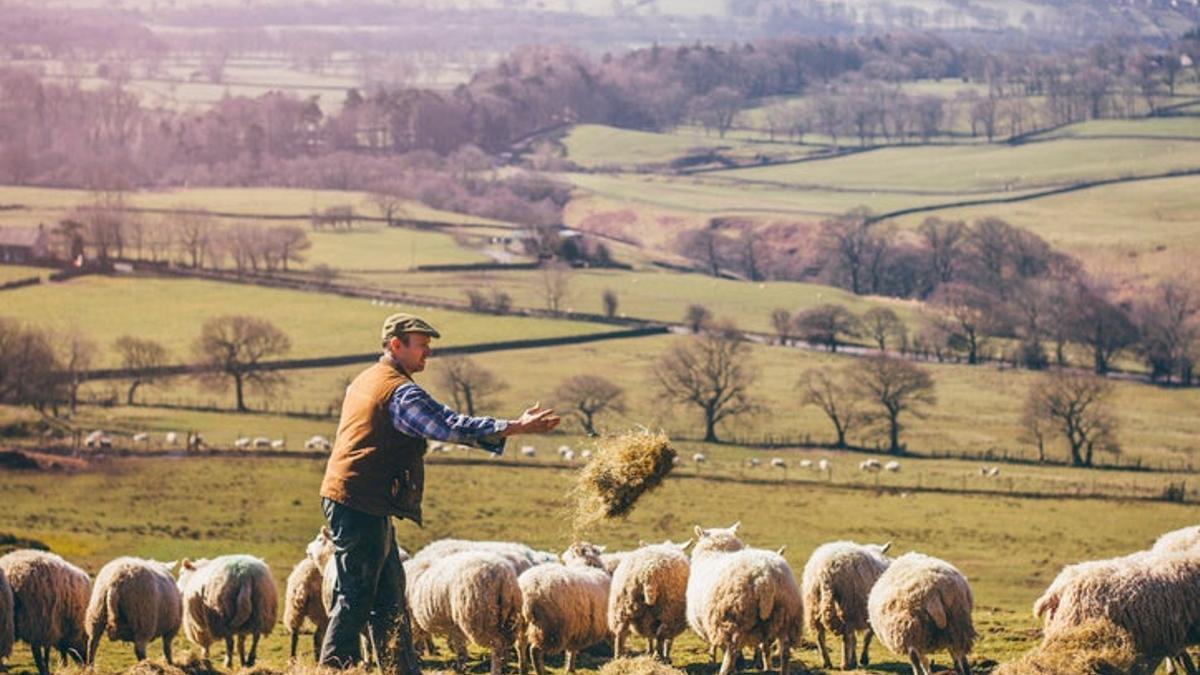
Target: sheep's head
(718,539)
(320,549)
(583,553)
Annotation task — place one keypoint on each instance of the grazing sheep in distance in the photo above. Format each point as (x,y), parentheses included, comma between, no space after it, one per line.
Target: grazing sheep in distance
(278,444)
(565,606)
(136,601)
(233,595)
(528,451)
(563,450)
(97,439)
(892,466)
(6,617)
(241,443)
(302,600)
(1155,596)
(317,443)
(823,465)
(739,597)
(920,605)
(806,464)
(569,456)
(585,455)
(470,596)
(172,438)
(778,463)
(699,458)
(754,462)
(870,465)
(141,437)
(836,583)
(262,442)
(1178,541)
(649,596)
(50,599)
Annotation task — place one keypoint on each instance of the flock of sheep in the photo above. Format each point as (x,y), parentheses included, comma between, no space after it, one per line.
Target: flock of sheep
(506,596)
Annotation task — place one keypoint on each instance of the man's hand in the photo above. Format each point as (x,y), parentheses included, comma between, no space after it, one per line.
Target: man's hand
(535,420)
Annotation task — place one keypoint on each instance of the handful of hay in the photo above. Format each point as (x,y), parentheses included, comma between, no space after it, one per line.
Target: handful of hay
(621,470)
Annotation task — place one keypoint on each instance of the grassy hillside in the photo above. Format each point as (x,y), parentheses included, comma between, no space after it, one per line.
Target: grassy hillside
(1009,548)
(596,146)
(172,311)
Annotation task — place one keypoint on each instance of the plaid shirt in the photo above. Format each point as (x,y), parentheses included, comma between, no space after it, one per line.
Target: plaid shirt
(415,413)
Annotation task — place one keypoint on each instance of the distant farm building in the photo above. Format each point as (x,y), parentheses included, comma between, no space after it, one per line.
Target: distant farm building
(20,245)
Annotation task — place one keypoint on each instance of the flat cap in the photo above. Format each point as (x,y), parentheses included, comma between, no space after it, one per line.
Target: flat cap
(398,324)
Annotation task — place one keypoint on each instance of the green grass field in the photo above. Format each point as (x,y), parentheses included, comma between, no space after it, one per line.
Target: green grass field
(1177,127)
(1009,548)
(16,272)
(172,311)
(596,146)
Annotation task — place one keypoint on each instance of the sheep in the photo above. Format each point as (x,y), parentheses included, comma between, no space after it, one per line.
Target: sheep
(922,604)
(699,458)
(564,607)
(97,439)
(778,463)
(262,442)
(892,466)
(141,437)
(172,438)
(1187,539)
(278,444)
(754,462)
(1153,595)
(609,562)
(649,596)
(317,443)
(569,456)
(302,600)
(528,451)
(994,471)
(738,597)
(870,465)
(50,598)
(806,464)
(835,584)
(520,556)
(585,455)
(6,617)
(233,595)
(563,450)
(823,465)
(136,601)
(241,443)
(469,596)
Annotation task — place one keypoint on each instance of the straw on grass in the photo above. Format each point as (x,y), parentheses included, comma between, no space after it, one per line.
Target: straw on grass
(621,470)
(1094,648)
(640,665)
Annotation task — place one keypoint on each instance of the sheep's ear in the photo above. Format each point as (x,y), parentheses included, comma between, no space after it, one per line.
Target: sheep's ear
(885,547)
(326,532)
(699,532)
(781,549)
(641,543)
(734,528)
(186,564)
(684,545)
(601,549)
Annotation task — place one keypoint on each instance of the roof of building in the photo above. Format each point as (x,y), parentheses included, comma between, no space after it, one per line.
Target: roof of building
(20,236)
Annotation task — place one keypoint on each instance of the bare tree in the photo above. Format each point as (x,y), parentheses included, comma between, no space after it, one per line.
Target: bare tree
(855,249)
(194,230)
(233,348)
(77,354)
(387,198)
(894,387)
(1076,404)
(586,396)
(827,325)
(883,326)
(556,285)
(29,367)
(609,300)
(1036,426)
(471,386)
(697,317)
(140,355)
(781,321)
(834,398)
(1169,322)
(944,242)
(1104,327)
(969,317)
(288,244)
(707,371)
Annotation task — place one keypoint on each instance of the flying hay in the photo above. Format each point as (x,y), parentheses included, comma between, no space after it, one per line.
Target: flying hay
(621,470)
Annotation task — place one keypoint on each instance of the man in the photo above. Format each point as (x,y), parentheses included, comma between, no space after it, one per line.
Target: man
(375,471)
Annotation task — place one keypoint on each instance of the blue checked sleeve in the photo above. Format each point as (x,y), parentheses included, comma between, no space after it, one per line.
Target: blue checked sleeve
(415,413)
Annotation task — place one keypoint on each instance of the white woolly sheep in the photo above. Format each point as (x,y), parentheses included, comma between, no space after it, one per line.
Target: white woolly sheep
(97,439)
(754,462)
(836,583)
(469,596)
(699,458)
(6,617)
(50,598)
(892,466)
(870,465)
(920,605)
(1155,596)
(172,438)
(823,465)
(569,456)
(585,455)
(1178,541)
(520,556)
(302,600)
(806,464)
(563,449)
(565,606)
(278,444)
(241,443)
(649,596)
(610,561)
(739,597)
(262,442)
(317,443)
(528,451)
(778,463)
(233,595)
(134,600)
(141,437)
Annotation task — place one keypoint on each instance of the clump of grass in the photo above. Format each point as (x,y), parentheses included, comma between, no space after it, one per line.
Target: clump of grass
(621,470)
(155,667)
(1095,648)
(641,665)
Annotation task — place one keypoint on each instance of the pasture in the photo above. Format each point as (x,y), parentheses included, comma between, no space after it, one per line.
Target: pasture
(601,147)
(173,310)
(1009,548)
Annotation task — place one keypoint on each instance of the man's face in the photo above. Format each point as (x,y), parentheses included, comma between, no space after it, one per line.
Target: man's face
(412,356)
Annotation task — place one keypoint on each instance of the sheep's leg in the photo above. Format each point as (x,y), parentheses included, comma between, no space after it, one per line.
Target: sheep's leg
(139,650)
(40,656)
(619,641)
(667,643)
(295,643)
(712,653)
(920,663)
(1169,663)
(785,657)
(849,650)
(729,660)
(229,652)
(458,645)
(1183,661)
(866,659)
(765,650)
(93,645)
(253,648)
(539,659)
(961,665)
(318,640)
(167,640)
(570,663)
(498,653)
(824,650)
(241,647)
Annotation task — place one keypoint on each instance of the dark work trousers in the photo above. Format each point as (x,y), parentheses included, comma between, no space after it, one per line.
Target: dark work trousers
(368,593)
